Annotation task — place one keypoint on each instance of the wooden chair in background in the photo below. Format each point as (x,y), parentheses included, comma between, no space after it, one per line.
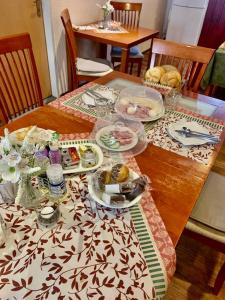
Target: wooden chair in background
(76,74)
(20,89)
(207,222)
(191,61)
(129,15)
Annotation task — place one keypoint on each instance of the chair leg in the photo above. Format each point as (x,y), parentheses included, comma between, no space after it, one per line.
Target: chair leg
(131,68)
(219,280)
(139,68)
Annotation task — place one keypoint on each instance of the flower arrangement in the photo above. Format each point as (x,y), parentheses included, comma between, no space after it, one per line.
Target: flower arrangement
(107,8)
(17,158)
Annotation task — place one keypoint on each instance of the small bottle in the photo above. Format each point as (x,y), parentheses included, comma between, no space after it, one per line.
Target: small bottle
(55,154)
(56,180)
(42,152)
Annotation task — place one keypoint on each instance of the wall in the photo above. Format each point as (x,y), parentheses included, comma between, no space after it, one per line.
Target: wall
(83,12)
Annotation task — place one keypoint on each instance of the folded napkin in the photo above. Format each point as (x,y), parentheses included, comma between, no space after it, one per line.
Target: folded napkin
(86,65)
(83,27)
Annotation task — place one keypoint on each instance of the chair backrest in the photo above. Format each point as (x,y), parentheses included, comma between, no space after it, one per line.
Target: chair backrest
(71,43)
(191,61)
(20,89)
(126,13)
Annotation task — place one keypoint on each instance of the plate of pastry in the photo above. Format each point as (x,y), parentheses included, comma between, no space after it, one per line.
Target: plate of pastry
(140,104)
(116,187)
(33,135)
(116,138)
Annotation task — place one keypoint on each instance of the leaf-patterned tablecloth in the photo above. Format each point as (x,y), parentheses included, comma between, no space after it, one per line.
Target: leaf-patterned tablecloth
(92,252)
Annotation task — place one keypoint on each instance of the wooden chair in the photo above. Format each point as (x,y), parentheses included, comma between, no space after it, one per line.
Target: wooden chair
(20,89)
(77,75)
(190,60)
(207,220)
(129,15)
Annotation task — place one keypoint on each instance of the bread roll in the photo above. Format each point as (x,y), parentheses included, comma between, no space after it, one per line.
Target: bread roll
(120,173)
(154,74)
(171,78)
(169,68)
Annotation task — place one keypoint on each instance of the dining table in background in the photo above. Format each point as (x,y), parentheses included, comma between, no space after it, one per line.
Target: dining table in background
(177,180)
(125,40)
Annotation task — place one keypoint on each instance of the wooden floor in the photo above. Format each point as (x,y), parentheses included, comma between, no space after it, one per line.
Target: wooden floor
(197,267)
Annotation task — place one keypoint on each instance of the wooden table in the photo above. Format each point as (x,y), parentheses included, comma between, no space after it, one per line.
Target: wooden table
(177,180)
(134,37)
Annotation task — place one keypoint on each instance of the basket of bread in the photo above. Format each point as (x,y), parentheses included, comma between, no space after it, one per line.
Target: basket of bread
(163,78)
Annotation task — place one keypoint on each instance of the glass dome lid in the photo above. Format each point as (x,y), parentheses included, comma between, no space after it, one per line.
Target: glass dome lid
(140,103)
(118,135)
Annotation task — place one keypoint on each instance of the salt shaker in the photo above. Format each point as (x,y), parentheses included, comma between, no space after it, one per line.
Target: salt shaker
(56,180)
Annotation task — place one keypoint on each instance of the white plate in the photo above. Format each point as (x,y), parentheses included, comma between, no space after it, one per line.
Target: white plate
(18,135)
(76,144)
(110,128)
(187,141)
(96,195)
(118,109)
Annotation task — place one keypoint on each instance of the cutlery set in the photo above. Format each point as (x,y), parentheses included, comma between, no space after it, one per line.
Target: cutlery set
(188,133)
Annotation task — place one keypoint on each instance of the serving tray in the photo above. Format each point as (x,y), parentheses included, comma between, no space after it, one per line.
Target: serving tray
(76,143)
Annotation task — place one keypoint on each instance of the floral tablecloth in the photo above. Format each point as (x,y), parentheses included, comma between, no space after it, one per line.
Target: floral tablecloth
(91,253)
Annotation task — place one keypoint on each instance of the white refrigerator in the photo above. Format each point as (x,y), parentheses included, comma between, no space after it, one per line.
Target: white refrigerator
(185,20)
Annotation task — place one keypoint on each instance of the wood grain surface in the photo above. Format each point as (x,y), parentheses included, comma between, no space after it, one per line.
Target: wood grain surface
(177,181)
(133,37)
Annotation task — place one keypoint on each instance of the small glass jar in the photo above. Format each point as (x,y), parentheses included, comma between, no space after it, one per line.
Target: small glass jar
(56,180)
(49,215)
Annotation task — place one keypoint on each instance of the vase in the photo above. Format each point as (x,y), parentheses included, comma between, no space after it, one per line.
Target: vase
(8,192)
(28,196)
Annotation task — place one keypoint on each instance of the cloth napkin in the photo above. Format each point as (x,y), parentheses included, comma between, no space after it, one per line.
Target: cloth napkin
(83,27)
(87,65)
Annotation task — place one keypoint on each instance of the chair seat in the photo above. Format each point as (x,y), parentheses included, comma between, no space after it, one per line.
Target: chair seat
(205,230)
(211,203)
(93,67)
(135,52)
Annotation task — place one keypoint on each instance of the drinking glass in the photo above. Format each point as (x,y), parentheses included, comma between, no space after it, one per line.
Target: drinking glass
(8,192)
(2,231)
(172,99)
(102,107)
